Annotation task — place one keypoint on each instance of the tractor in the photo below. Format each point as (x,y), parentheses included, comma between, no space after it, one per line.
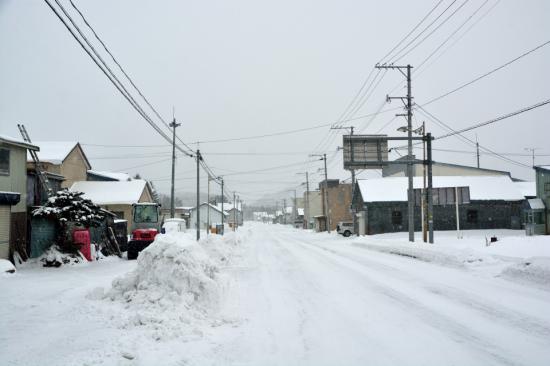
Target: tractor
(147,224)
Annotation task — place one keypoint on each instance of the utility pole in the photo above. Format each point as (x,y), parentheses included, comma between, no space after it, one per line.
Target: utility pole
(424,196)
(198,196)
(223,227)
(532,149)
(306,203)
(430,195)
(173,124)
(477,152)
(284,211)
(208,208)
(408,107)
(327,211)
(234,211)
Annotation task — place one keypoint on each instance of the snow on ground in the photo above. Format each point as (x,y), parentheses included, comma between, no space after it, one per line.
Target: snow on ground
(273,295)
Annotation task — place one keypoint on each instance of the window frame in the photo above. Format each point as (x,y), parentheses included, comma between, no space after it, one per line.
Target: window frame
(5,172)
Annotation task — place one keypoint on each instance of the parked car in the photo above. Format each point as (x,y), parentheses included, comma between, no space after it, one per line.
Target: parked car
(173,225)
(345,228)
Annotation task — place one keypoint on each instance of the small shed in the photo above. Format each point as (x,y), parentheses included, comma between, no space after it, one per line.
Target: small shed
(535,220)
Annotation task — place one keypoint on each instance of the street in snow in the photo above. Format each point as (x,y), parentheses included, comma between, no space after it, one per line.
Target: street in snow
(284,296)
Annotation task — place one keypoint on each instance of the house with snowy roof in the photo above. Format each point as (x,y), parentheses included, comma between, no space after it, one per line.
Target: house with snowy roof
(116,196)
(13,195)
(65,159)
(234,211)
(485,202)
(209,215)
(543,196)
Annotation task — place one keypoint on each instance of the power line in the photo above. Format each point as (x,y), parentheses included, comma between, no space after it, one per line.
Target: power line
(411,32)
(433,31)
(124,72)
(418,72)
(459,133)
(486,74)
(452,34)
(105,69)
(493,120)
(422,31)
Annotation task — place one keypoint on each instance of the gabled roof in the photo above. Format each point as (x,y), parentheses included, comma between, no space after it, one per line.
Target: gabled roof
(111,193)
(18,142)
(481,187)
(55,152)
(122,177)
(543,167)
(229,206)
(211,206)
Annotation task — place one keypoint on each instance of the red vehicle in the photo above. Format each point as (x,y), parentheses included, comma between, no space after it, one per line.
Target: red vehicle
(147,224)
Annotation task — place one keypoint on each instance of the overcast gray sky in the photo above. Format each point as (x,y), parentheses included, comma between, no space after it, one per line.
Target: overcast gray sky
(243,68)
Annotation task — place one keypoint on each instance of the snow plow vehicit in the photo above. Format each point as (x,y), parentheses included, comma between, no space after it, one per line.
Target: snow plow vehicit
(146,226)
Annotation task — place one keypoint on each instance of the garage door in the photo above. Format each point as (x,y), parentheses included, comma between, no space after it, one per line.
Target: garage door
(4,231)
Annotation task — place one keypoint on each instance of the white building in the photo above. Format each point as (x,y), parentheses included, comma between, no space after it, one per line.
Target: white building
(209,214)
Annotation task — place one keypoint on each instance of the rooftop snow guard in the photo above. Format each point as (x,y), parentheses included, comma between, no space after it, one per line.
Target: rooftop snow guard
(173,275)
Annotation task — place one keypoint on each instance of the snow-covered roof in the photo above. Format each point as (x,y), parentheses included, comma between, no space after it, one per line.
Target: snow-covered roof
(213,207)
(112,175)
(536,204)
(111,193)
(527,189)
(54,151)
(229,206)
(545,167)
(19,142)
(481,187)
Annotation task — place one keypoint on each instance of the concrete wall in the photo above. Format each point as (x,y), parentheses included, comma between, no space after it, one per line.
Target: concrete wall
(339,202)
(315,206)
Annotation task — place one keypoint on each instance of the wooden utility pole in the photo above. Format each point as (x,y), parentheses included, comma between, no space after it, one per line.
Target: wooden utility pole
(173,124)
(408,107)
(198,157)
(223,227)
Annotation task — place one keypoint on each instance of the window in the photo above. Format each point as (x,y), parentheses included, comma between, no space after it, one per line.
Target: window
(396,218)
(547,187)
(4,162)
(145,213)
(471,217)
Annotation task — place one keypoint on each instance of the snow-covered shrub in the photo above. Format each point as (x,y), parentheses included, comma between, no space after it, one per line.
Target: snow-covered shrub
(52,257)
(69,207)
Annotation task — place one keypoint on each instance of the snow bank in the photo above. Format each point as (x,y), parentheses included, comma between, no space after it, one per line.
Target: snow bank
(174,282)
(6,266)
(222,248)
(535,269)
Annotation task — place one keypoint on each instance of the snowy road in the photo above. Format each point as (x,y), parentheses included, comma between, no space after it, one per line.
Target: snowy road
(313,299)
(299,298)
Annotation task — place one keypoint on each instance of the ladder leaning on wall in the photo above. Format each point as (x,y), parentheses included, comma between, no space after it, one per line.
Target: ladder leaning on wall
(38,166)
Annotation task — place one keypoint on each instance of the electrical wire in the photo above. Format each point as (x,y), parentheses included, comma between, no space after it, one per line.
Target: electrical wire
(487,73)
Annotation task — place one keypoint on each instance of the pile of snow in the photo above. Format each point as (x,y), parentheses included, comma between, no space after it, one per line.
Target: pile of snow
(52,257)
(535,269)
(6,266)
(175,282)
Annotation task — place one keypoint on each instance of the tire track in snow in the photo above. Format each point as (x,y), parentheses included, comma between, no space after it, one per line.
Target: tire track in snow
(497,312)
(460,333)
